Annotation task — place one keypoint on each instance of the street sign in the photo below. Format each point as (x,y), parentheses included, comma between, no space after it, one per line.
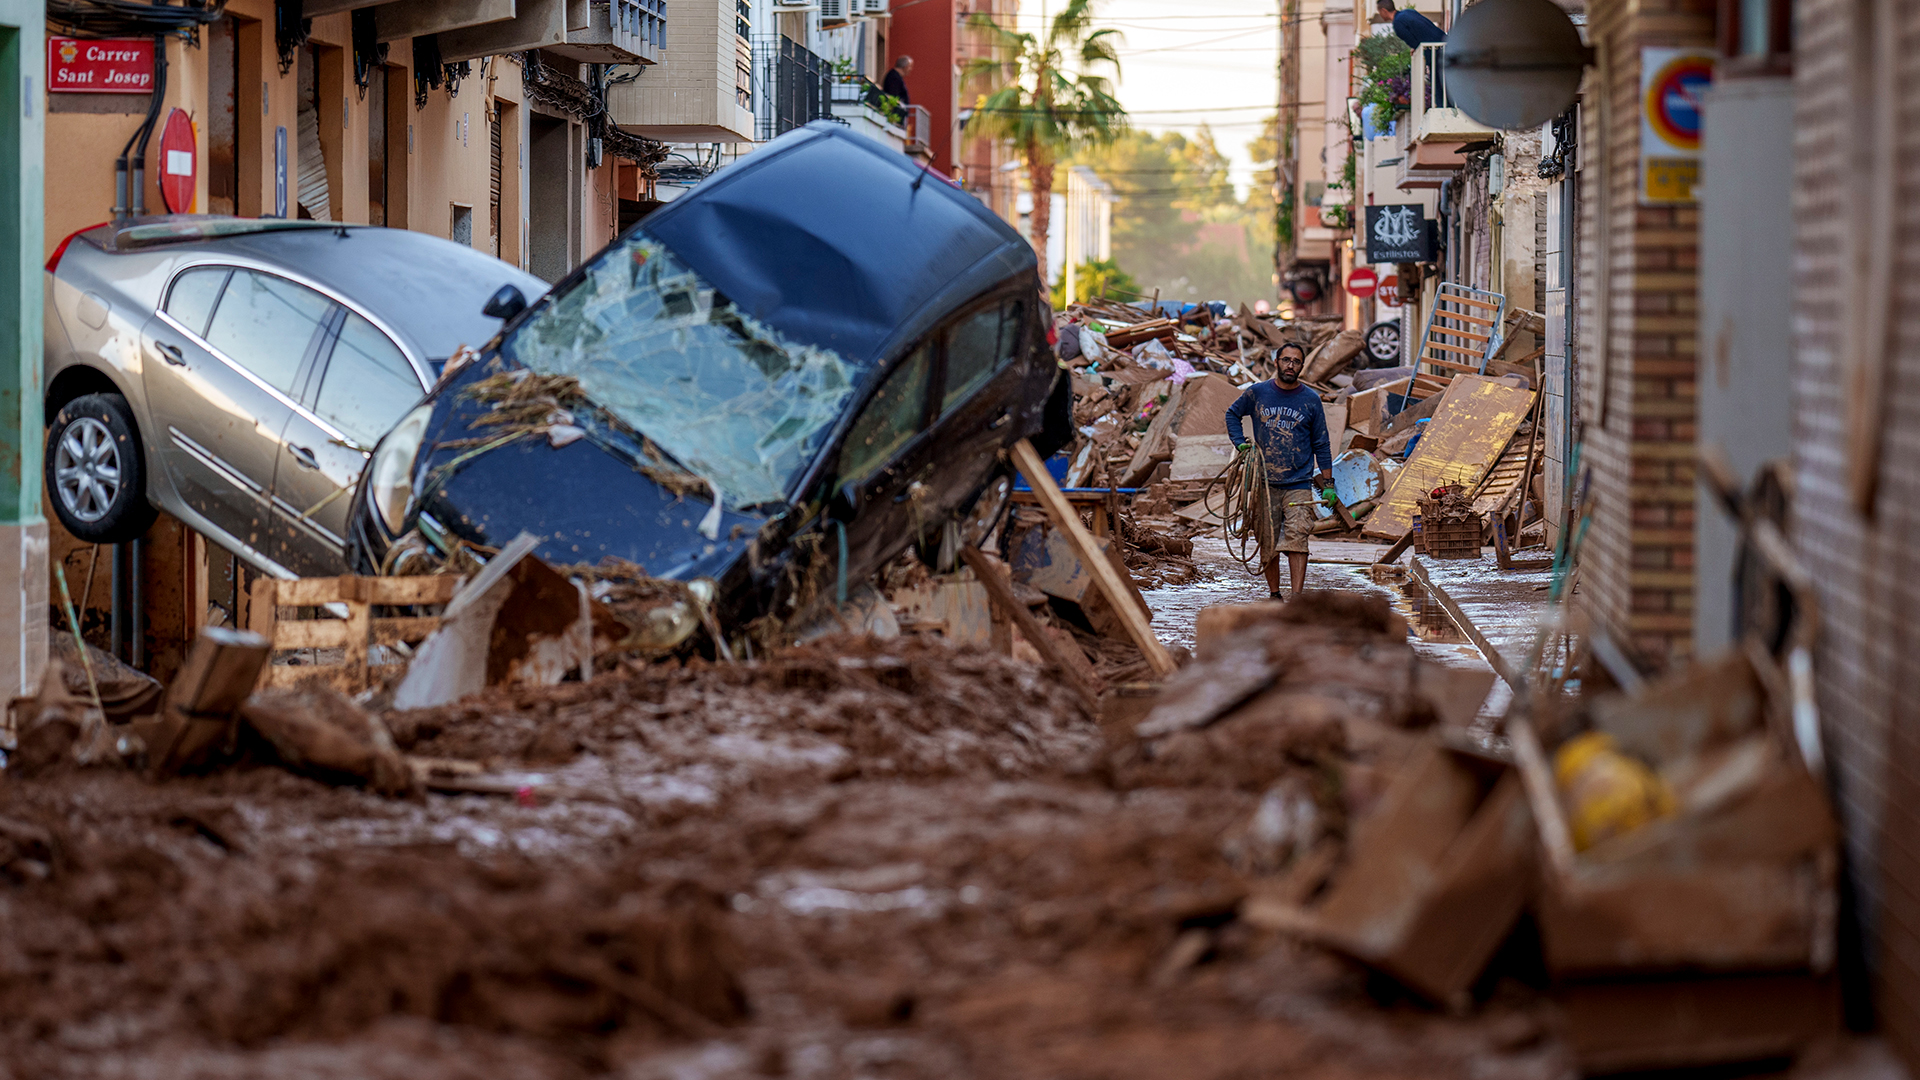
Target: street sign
(1399,233)
(1362,282)
(179,162)
(1388,294)
(108,66)
(1672,82)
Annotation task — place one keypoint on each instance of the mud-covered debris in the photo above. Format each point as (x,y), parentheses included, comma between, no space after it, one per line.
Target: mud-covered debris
(316,730)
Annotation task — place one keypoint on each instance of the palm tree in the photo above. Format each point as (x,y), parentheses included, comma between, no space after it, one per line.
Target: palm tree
(1032,99)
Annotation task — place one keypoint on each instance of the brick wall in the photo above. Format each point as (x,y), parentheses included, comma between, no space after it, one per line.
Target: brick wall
(1867,570)
(1636,576)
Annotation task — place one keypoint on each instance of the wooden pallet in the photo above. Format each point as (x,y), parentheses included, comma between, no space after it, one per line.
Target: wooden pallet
(355,635)
(1496,487)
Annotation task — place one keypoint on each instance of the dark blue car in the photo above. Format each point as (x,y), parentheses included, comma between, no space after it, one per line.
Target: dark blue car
(777,382)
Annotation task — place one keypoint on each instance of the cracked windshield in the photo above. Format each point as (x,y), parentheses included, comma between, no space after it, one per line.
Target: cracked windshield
(652,342)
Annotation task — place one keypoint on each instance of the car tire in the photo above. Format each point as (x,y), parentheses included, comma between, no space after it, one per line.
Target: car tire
(1383,344)
(96,472)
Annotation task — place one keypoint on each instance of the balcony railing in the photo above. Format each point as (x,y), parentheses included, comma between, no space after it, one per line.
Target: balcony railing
(1434,114)
(792,86)
(919,125)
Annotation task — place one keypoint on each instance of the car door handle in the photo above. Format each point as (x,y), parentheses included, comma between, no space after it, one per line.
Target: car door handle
(171,353)
(304,456)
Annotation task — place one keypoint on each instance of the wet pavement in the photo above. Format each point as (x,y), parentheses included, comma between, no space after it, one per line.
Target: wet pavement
(1505,605)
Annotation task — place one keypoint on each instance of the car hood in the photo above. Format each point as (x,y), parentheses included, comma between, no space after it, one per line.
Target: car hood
(586,500)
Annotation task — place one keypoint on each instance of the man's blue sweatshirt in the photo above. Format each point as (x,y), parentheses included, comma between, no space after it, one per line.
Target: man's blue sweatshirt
(1290,428)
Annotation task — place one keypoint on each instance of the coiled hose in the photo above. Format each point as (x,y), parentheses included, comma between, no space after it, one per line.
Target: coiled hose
(1246,512)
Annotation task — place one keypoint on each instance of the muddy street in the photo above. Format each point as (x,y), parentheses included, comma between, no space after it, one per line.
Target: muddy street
(850,859)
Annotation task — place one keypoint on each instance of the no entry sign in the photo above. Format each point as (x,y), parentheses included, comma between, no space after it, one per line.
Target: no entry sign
(1362,281)
(179,164)
(114,66)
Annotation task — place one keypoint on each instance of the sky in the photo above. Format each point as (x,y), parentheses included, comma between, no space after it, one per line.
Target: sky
(1190,61)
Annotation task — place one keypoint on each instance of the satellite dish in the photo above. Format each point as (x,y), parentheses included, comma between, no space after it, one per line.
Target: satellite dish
(1514,64)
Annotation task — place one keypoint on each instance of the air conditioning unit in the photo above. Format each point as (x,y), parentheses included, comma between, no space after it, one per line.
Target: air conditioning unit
(835,11)
(874,7)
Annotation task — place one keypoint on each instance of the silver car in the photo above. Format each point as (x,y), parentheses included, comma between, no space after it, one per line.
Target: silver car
(235,373)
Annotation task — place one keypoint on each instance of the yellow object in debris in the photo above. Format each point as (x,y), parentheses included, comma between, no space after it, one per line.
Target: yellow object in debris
(1607,792)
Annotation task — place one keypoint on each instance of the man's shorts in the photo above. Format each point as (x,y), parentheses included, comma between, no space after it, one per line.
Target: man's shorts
(1292,517)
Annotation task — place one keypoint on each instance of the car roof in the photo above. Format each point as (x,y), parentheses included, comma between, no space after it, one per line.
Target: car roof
(427,290)
(839,241)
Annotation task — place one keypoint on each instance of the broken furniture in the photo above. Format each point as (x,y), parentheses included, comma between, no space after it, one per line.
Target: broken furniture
(1470,430)
(1708,935)
(1433,881)
(354,636)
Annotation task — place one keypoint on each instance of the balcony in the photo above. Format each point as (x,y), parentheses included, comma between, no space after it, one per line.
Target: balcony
(617,32)
(791,86)
(1434,117)
(919,125)
(861,105)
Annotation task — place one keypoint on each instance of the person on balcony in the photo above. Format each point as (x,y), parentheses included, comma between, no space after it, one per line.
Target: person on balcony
(895,82)
(1409,25)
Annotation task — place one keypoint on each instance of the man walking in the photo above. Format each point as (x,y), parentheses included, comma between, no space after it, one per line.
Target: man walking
(1289,436)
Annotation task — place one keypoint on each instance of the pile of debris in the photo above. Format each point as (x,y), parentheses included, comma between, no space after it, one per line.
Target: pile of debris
(1151,396)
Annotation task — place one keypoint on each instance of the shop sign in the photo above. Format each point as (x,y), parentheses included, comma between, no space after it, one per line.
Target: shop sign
(1399,233)
(109,66)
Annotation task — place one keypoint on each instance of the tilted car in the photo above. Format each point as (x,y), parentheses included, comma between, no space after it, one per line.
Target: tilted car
(776,382)
(235,373)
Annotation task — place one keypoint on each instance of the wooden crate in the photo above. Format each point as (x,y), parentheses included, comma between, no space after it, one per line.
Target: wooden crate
(1445,540)
(355,635)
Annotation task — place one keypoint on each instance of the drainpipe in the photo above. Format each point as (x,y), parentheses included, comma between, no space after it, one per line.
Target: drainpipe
(142,135)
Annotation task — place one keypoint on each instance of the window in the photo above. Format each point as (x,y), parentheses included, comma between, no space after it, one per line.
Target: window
(978,346)
(369,385)
(193,296)
(890,419)
(1756,37)
(265,323)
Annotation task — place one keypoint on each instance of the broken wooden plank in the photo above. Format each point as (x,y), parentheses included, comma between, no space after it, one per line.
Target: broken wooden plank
(1133,615)
(1000,592)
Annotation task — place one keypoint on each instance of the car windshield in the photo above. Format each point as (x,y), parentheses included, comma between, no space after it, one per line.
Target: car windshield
(652,342)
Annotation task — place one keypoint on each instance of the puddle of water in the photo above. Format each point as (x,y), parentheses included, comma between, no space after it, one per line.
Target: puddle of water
(1425,615)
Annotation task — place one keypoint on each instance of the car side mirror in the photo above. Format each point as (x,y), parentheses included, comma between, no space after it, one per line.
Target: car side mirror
(506,303)
(844,505)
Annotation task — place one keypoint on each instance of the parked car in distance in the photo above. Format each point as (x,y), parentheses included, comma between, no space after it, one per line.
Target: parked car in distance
(1383,344)
(776,382)
(236,372)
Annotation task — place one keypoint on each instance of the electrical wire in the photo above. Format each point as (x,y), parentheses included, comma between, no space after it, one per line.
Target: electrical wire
(95,19)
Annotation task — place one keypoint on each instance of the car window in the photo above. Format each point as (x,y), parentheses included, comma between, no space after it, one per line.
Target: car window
(369,385)
(891,418)
(191,299)
(265,323)
(977,346)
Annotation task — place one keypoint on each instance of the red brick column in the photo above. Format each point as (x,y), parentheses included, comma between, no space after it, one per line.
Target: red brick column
(1636,576)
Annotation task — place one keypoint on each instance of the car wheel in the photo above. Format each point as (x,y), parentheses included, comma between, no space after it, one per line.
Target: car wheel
(1383,344)
(96,473)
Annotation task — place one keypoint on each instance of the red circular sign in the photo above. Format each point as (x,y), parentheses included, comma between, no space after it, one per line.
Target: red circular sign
(1362,281)
(179,163)
(1389,291)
